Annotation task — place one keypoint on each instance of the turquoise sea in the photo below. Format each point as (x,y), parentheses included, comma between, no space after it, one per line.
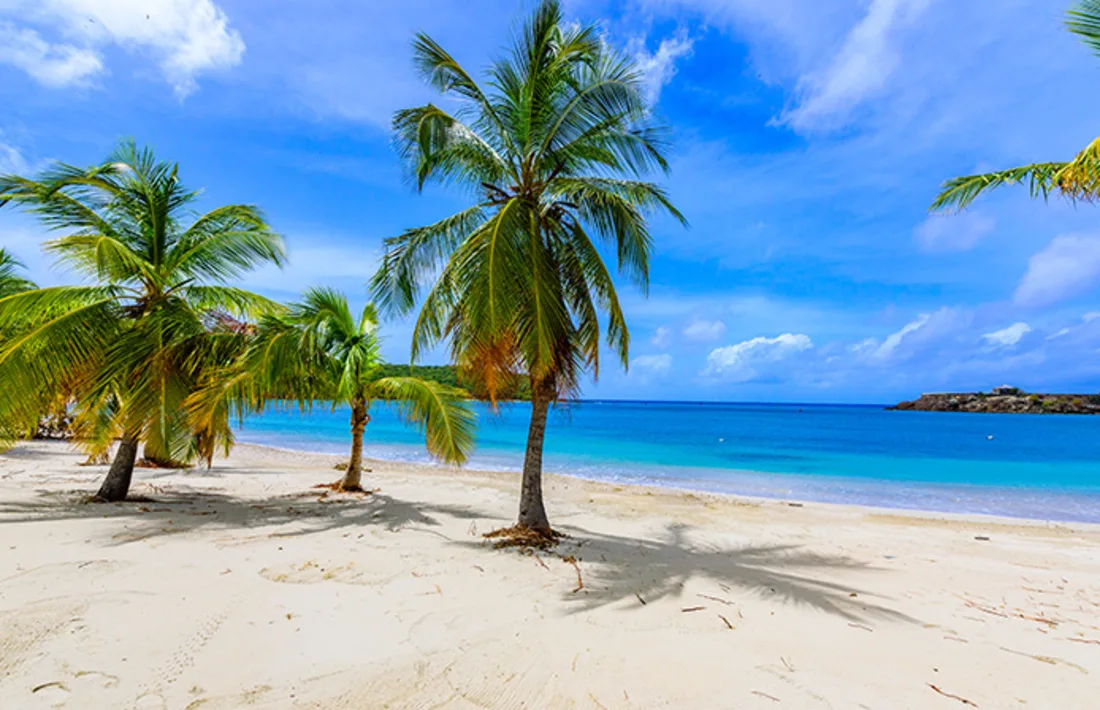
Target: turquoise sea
(1032,466)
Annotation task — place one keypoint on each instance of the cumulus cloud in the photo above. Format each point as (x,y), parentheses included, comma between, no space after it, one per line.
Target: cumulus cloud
(952,232)
(659,67)
(1068,266)
(745,360)
(53,65)
(1007,337)
(184,37)
(861,68)
(652,364)
(705,330)
(662,337)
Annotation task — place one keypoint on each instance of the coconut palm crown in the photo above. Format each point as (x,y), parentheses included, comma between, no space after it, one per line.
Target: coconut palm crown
(553,149)
(131,343)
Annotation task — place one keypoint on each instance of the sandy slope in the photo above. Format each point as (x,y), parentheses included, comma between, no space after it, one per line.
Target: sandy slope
(242,587)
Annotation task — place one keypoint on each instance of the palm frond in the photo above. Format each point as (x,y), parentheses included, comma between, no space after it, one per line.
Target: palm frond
(1084,21)
(10,280)
(441,413)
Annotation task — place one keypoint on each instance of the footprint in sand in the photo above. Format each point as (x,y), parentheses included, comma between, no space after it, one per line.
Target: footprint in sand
(24,629)
(151,701)
(77,690)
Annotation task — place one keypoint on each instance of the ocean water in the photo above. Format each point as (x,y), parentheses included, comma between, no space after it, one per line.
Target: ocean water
(1032,466)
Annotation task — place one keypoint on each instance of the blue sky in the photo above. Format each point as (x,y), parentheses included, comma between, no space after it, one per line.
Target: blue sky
(810,138)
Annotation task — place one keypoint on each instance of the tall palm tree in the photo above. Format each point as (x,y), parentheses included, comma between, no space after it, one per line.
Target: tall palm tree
(319,351)
(1078,179)
(131,344)
(553,149)
(10,280)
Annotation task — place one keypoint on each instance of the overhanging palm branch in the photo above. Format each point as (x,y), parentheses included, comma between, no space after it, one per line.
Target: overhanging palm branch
(1076,180)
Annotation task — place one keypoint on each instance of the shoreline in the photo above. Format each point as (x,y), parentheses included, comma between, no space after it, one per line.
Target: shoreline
(644,488)
(643,485)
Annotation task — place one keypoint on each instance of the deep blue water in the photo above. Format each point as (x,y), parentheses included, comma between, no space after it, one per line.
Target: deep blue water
(1035,466)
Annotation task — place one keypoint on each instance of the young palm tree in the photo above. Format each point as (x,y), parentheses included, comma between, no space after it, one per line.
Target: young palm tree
(553,150)
(130,345)
(318,351)
(1078,179)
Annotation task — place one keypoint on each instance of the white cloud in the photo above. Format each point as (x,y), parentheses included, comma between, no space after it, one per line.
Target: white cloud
(52,65)
(1060,334)
(1069,265)
(662,337)
(652,364)
(894,339)
(742,362)
(926,335)
(185,38)
(12,161)
(861,68)
(659,67)
(952,232)
(1090,316)
(705,330)
(1007,337)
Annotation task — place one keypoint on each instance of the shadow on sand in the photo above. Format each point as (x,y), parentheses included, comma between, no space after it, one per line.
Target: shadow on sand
(614,569)
(166,513)
(644,570)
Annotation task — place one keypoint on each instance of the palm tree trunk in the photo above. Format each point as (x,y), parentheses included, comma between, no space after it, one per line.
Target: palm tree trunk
(532,512)
(117,483)
(359,420)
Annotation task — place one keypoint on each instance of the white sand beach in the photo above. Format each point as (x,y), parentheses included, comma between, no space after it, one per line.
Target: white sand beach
(243,586)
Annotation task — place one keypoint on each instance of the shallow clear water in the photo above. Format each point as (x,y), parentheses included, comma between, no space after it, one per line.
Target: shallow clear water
(1045,467)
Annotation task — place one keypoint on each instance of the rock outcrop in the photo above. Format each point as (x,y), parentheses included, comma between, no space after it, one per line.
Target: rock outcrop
(1019,403)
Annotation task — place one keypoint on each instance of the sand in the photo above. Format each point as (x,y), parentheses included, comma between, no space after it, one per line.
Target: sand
(244,587)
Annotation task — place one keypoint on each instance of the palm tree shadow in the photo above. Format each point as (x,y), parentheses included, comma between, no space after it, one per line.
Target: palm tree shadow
(169,513)
(640,571)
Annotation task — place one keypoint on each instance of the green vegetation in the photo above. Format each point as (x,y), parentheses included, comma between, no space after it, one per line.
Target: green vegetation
(10,280)
(129,347)
(451,376)
(157,352)
(554,145)
(1078,179)
(319,351)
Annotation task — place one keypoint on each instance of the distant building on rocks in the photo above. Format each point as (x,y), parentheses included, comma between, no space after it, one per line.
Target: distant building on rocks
(1006,390)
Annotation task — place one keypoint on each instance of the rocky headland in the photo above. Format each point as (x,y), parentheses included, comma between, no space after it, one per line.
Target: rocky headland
(1004,400)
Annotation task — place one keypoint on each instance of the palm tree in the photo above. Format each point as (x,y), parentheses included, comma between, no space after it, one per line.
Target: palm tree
(10,280)
(319,351)
(132,343)
(10,283)
(1078,179)
(553,151)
